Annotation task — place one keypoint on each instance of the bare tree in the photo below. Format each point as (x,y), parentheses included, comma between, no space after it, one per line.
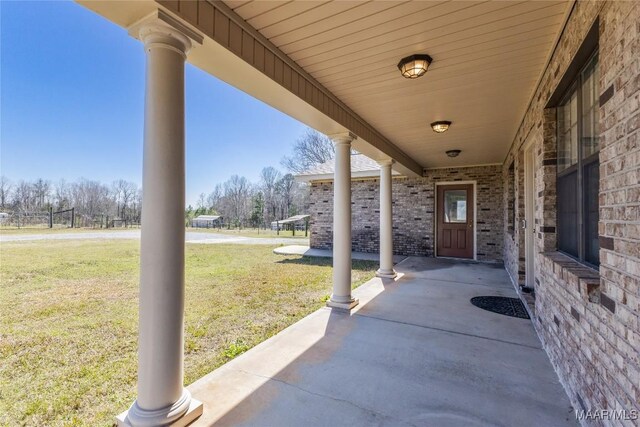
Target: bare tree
(236,192)
(202,203)
(22,196)
(214,198)
(269,178)
(5,191)
(311,149)
(286,188)
(41,190)
(61,195)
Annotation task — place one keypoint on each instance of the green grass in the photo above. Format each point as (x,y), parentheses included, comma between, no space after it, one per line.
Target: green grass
(68,319)
(252,232)
(245,232)
(57,230)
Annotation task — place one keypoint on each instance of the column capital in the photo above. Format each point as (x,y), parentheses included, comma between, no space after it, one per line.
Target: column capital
(386,162)
(342,138)
(159,29)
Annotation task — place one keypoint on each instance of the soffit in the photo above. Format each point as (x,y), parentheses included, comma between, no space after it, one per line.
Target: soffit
(488,57)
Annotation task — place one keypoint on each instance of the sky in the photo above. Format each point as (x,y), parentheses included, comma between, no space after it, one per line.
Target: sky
(72,106)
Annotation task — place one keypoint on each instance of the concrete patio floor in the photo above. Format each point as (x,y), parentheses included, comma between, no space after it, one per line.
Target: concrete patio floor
(415,352)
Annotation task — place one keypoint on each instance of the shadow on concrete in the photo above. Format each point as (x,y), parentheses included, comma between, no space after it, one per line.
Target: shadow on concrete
(415,352)
(359,265)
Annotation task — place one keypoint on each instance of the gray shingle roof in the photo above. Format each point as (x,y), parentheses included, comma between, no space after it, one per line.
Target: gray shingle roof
(361,167)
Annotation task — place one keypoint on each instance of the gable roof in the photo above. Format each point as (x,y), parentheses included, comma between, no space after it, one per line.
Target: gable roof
(361,167)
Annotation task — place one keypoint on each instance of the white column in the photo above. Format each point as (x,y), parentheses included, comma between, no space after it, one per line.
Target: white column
(386,222)
(341,297)
(162,398)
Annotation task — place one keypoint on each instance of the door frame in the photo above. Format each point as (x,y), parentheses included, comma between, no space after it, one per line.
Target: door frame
(475,216)
(529,212)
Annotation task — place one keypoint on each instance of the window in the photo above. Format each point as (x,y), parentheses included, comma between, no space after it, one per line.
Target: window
(455,206)
(579,167)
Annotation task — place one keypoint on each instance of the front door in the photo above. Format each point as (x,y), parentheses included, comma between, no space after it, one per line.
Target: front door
(455,220)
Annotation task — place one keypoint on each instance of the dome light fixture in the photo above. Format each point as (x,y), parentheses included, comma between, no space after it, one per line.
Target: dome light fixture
(440,126)
(414,66)
(453,153)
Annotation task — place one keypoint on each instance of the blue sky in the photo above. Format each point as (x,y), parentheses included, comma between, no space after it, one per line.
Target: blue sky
(72,103)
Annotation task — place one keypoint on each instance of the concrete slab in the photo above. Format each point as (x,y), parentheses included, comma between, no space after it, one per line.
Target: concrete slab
(326,253)
(415,352)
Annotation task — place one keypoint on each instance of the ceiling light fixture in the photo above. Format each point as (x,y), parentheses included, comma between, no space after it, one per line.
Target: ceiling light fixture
(440,126)
(414,66)
(453,153)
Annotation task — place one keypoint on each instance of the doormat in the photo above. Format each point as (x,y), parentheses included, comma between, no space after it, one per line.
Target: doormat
(502,305)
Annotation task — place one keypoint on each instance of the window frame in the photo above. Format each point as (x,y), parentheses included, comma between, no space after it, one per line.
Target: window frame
(576,86)
(511,199)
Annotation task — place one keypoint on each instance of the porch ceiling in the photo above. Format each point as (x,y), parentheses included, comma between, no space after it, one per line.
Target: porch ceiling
(487,59)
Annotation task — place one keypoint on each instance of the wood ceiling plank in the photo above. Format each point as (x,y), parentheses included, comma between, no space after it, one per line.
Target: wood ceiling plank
(292,37)
(328,17)
(449,17)
(254,8)
(234,4)
(485,54)
(289,11)
(488,42)
(402,43)
(470,74)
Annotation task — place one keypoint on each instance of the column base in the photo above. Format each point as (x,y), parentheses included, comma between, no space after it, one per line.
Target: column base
(173,416)
(386,274)
(343,305)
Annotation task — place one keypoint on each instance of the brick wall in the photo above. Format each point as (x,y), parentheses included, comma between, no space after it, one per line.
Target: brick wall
(413,212)
(587,319)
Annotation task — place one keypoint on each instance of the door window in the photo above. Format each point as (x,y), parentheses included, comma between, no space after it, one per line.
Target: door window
(455,206)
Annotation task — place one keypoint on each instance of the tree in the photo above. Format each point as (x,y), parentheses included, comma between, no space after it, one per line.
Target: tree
(214,198)
(286,188)
(236,192)
(257,214)
(41,190)
(61,195)
(269,178)
(202,204)
(22,196)
(124,193)
(5,191)
(313,148)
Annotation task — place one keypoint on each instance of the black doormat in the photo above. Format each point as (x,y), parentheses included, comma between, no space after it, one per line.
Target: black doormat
(502,305)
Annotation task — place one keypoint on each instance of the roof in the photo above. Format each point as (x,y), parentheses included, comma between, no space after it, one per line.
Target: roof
(361,167)
(207,217)
(291,219)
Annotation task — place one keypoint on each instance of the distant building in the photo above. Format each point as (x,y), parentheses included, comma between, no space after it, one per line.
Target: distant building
(206,221)
(297,221)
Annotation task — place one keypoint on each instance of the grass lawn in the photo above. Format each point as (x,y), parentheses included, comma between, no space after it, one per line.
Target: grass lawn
(57,230)
(251,232)
(69,319)
(245,232)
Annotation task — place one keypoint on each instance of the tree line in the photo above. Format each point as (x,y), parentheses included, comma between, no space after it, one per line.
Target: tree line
(276,195)
(92,200)
(245,204)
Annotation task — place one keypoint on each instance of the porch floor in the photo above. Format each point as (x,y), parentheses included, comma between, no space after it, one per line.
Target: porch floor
(415,352)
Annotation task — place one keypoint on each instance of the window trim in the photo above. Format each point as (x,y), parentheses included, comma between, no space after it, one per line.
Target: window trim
(511,200)
(578,167)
